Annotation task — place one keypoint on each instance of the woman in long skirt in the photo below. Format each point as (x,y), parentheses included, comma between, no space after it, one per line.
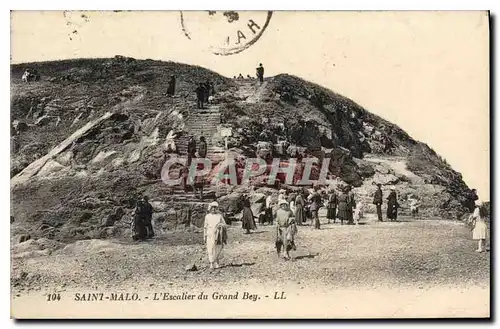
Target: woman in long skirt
(247,221)
(480,229)
(214,224)
(299,209)
(344,209)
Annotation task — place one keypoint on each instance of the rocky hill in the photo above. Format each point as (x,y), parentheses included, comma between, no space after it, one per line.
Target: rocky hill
(89,138)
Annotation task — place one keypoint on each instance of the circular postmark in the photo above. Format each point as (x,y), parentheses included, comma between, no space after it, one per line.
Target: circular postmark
(225,32)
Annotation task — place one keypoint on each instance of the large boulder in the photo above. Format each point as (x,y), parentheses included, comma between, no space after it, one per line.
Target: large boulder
(231,203)
(385,179)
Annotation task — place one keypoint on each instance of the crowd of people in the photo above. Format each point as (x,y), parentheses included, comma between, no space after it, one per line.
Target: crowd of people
(204,93)
(295,209)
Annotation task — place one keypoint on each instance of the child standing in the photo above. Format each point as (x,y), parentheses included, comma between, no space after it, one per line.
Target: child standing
(358,212)
(479,226)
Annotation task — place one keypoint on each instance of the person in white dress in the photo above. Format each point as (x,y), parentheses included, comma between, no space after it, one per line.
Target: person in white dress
(479,230)
(281,195)
(214,225)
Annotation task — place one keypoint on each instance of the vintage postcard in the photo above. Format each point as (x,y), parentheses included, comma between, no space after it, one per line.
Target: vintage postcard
(250,164)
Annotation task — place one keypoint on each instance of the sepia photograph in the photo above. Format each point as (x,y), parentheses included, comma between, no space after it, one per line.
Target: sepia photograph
(217,164)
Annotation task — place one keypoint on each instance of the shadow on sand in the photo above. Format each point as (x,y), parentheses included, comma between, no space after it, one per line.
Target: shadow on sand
(237,265)
(306,256)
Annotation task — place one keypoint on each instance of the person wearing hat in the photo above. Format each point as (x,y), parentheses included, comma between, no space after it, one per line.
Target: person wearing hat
(215,234)
(392,205)
(377,201)
(480,228)
(285,230)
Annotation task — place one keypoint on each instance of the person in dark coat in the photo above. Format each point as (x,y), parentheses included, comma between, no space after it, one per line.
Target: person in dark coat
(331,206)
(147,214)
(260,73)
(377,201)
(471,200)
(202,147)
(191,149)
(344,207)
(139,229)
(200,95)
(171,86)
(207,91)
(247,221)
(352,205)
(392,205)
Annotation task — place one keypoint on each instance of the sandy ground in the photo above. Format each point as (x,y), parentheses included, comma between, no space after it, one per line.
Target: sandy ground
(410,268)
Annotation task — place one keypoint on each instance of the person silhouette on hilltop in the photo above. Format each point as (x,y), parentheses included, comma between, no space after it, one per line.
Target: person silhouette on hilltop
(260,73)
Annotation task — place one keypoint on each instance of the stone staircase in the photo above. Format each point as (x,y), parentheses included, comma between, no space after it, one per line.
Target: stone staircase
(250,91)
(203,122)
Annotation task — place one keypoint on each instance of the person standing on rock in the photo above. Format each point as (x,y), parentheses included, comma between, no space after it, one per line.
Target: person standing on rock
(171,86)
(331,208)
(215,234)
(147,213)
(260,73)
(285,230)
(247,221)
(200,95)
(392,205)
(377,201)
(299,209)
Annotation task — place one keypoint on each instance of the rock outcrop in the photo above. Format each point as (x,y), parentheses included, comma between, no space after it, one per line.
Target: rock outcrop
(91,137)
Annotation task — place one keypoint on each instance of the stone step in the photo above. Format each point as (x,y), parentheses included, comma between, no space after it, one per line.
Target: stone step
(202,123)
(205,114)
